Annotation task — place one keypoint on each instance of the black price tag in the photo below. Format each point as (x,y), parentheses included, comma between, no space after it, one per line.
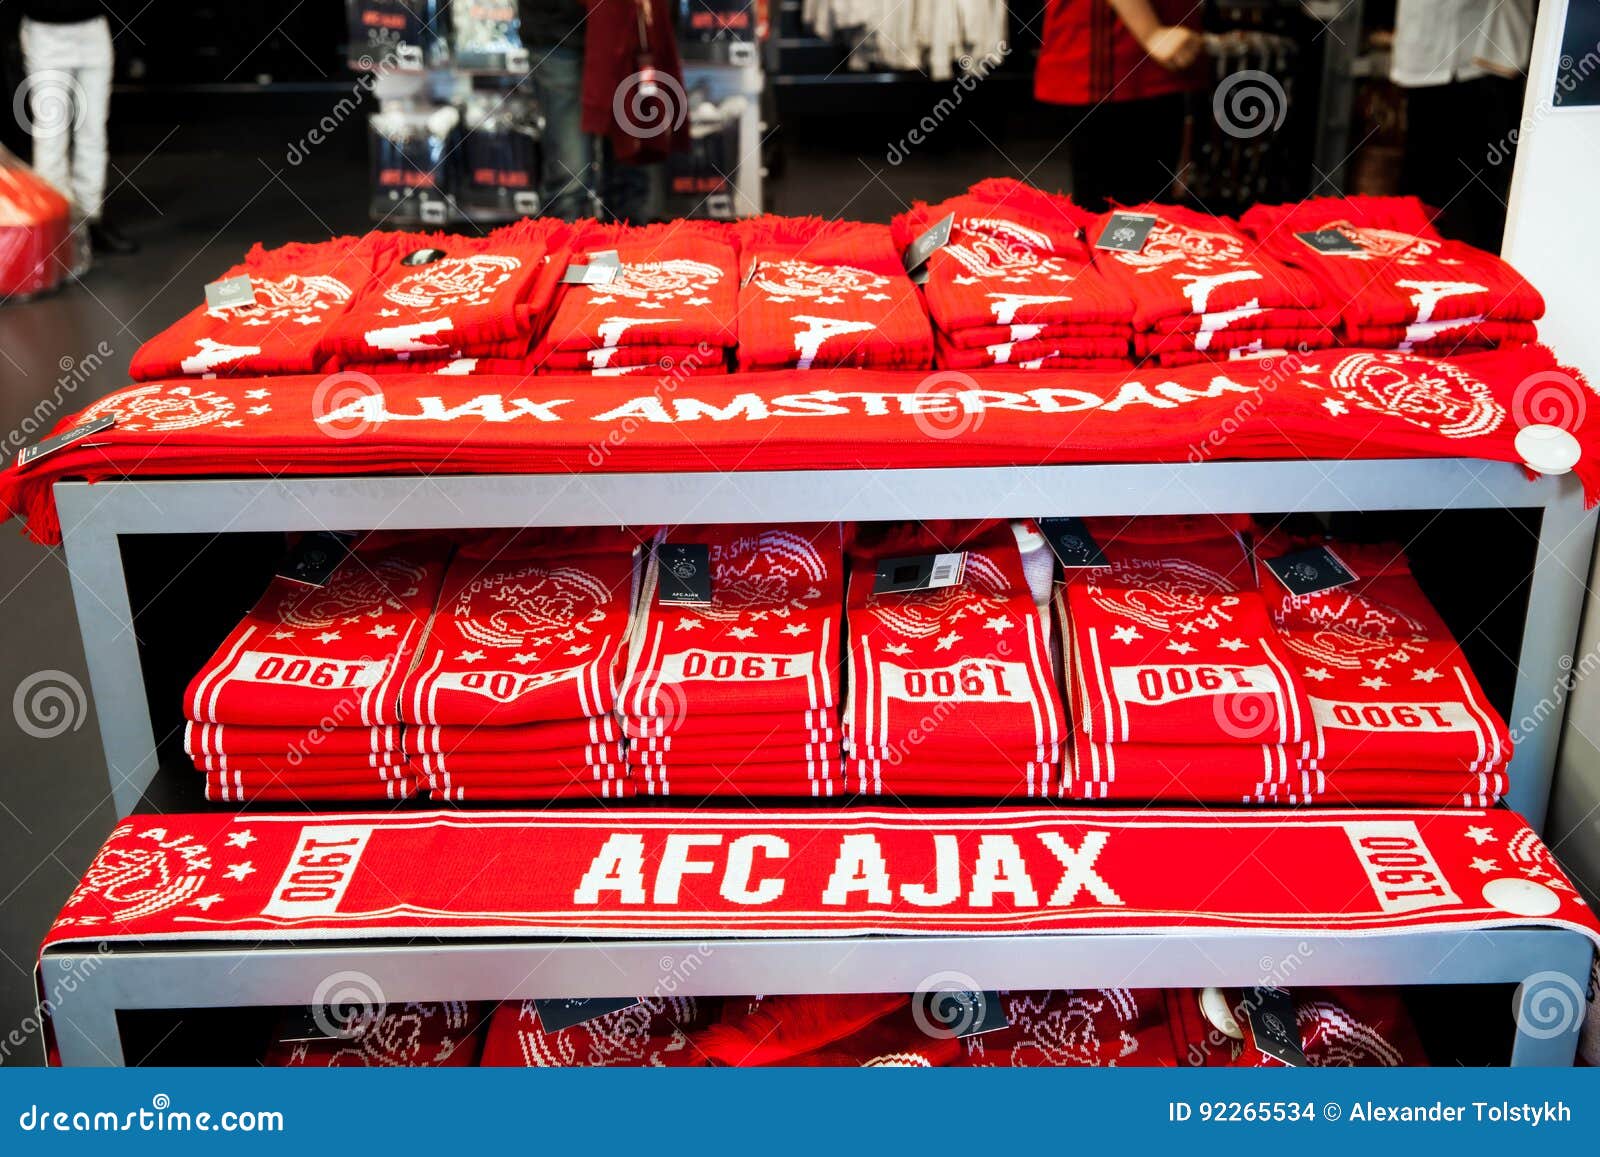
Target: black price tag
(230,293)
(1072,543)
(685,573)
(31,454)
(980,1012)
(1126,232)
(924,572)
(1275,1025)
(422,257)
(1310,571)
(316,556)
(934,238)
(1330,241)
(316,1024)
(602,269)
(555,1015)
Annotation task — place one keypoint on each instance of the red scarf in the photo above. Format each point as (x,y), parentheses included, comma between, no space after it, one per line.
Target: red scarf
(590,761)
(642,125)
(562,735)
(485,296)
(301,292)
(1172,644)
(492,788)
(1016,256)
(750,728)
(410,1035)
(670,361)
(1196,265)
(528,631)
(336,652)
(658,1032)
(210,739)
(960,672)
(1405,272)
(294,765)
(237,787)
(1386,682)
(677,287)
(768,642)
(817,293)
(794,779)
(1348,404)
(1443,338)
(1053,353)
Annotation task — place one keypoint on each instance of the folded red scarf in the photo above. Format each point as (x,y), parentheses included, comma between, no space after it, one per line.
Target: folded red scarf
(1015,255)
(229,788)
(589,762)
(982,336)
(966,664)
(912,777)
(694,750)
(795,783)
(658,1032)
(482,295)
(817,293)
(529,630)
(1066,353)
(1195,264)
(778,1030)
(293,764)
(1443,338)
(447,1034)
(256,779)
(1403,271)
(335,653)
(301,291)
(1244,336)
(1387,683)
(1071,1028)
(673,360)
(1172,644)
(767,642)
(580,791)
(314,742)
(677,286)
(819,726)
(563,735)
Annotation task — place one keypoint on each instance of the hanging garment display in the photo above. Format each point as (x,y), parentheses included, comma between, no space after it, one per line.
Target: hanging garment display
(502,155)
(413,162)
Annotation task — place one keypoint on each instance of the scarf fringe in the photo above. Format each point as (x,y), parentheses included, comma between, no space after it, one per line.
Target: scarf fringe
(774,230)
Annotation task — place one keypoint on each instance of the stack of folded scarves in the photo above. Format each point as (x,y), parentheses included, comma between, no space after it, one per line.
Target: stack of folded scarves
(1395,712)
(1201,288)
(511,696)
(412,1035)
(1404,287)
(815,293)
(299,701)
(1043,1029)
(1180,688)
(1016,285)
(300,293)
(670,308)
(951,689)
(440,298)
(740,696)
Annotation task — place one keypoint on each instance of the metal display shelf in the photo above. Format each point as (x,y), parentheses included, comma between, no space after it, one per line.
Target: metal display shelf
(85,1022)
(94,516)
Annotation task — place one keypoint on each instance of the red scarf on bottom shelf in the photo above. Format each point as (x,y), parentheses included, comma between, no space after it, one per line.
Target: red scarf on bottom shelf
(412,1035)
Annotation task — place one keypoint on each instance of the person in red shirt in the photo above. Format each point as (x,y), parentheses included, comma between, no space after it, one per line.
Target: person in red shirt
(1122,69)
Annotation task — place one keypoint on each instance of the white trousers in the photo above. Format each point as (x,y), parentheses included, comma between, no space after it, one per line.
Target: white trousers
(69,101)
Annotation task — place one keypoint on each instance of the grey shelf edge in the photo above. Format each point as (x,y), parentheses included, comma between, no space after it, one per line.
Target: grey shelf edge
(93,516)
(86,1029)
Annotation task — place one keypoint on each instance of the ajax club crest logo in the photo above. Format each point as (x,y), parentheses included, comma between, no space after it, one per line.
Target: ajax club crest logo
(453,281)
(531,605)
(1159,593)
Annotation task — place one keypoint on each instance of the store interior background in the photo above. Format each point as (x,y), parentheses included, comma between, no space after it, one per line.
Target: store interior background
(210,101)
